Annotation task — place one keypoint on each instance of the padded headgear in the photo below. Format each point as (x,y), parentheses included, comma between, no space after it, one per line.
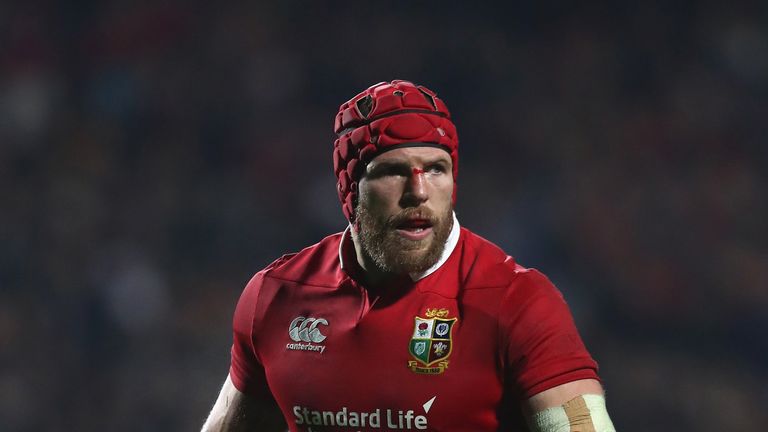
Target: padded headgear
(384,117)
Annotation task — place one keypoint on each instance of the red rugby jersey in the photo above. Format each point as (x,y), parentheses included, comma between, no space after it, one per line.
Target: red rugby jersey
(457,349)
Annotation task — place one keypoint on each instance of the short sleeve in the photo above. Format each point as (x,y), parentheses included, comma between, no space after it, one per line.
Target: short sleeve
(543,346)
(246,370)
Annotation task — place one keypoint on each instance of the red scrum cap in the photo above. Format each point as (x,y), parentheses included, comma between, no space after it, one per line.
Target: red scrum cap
(384,117)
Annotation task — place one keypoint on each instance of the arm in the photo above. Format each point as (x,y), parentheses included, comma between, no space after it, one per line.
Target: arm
(235,411)
(561,394)
(230,412)
(245,402)
(574,406)
(548,361)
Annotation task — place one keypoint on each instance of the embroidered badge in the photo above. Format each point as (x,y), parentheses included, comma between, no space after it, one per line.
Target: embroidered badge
(431,342)
(439,313)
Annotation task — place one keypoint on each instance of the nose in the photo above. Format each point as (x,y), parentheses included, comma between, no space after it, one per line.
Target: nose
(416,191)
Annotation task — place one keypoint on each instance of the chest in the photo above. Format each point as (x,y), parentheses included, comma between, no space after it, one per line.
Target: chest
(336,361)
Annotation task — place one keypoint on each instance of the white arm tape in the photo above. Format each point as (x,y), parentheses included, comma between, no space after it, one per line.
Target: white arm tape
(585,413)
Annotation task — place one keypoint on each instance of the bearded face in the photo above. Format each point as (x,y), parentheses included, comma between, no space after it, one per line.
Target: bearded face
(405,213)
(392,252)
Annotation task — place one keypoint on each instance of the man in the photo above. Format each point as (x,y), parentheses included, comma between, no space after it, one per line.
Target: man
(405,321)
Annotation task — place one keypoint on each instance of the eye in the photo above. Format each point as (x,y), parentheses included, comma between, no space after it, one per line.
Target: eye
(437,168)
(388,170)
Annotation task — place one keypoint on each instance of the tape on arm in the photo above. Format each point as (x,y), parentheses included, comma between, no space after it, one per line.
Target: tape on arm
(585,413)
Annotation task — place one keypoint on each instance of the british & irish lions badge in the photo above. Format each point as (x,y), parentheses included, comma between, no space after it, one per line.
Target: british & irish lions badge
(431,343)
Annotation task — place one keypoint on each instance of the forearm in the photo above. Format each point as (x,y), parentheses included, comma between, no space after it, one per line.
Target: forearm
(227,413)
(235,412)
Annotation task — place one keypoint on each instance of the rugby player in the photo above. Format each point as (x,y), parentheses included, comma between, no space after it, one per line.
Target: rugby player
(406,320)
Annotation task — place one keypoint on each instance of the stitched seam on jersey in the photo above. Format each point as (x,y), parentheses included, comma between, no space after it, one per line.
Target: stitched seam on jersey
(501,341)
(503,331)
(284,259)
(505,342)
(471,243)
(481,287)
(300,282)
(253,322)
(438,293)
(573,374)
(278,263)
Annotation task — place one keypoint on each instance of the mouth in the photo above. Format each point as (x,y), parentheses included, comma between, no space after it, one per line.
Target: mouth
(415,229)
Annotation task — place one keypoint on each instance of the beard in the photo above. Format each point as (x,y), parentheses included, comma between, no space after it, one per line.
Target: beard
(393,253)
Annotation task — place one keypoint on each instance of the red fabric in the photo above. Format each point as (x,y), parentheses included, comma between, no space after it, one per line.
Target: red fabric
(514,337)
(246,371)
(400,113)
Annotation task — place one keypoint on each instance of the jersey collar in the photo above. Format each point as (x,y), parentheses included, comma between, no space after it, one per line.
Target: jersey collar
(450,245)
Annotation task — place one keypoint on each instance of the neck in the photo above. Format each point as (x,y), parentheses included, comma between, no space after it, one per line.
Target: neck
(373,275)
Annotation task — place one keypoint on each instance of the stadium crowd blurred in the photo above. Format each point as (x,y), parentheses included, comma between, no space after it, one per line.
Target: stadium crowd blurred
(154,155)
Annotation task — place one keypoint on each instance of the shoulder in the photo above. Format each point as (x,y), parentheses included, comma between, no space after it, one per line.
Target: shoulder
(486,264)
(489,266)
(316,265)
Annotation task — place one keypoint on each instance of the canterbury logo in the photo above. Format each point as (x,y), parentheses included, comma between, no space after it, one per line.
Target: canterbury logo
(305,329)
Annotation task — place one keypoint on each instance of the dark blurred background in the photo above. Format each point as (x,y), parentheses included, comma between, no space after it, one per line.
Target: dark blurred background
(154,155)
